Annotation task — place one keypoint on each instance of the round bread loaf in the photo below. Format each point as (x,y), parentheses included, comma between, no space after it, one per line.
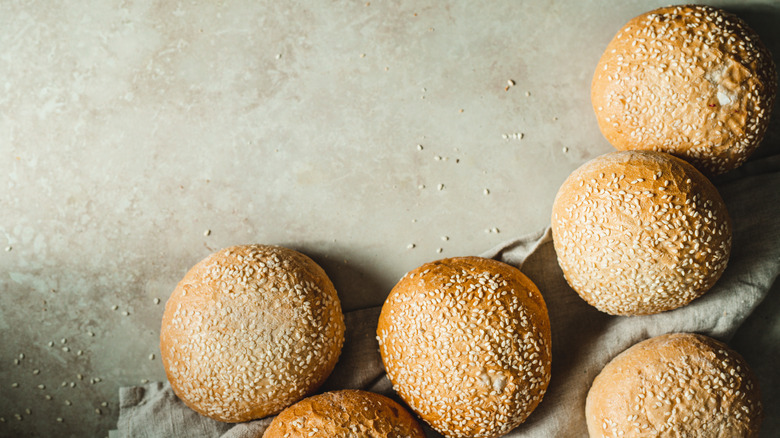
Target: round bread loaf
(466,344)
(249,331)
(693,81)
(640,232)
(346,413)
(676,385)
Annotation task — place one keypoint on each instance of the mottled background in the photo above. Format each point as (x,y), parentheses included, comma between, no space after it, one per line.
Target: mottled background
(136,137)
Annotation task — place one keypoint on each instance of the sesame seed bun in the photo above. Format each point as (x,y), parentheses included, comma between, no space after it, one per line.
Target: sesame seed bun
(673,386)
(466,344)
(693,81)
(346,413)
(640,232)
(249,331)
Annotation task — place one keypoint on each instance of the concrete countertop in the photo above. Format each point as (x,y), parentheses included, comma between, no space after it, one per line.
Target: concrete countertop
(138,137)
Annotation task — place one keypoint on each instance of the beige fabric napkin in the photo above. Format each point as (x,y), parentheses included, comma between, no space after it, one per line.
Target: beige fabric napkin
(584,339)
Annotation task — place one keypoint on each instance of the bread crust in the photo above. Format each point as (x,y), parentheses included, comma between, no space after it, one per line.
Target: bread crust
(640,232)
(692,80)
(675,385)
(466,344)
(250,330)
(345,413)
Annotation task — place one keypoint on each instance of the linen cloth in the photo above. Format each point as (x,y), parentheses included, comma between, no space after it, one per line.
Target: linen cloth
(583,339)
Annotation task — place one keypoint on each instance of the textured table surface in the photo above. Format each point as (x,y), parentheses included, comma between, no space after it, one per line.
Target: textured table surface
(138,137)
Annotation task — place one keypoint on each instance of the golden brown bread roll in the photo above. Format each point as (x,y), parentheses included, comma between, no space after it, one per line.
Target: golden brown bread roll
(640,232)
(346,413)
(694,81)
(249,331)
(466,344)
(676,385)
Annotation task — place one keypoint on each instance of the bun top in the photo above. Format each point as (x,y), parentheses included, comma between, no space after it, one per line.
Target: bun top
(675,385)
(694,81)
(249,331)
(640,232)
(346,413)
(466,344)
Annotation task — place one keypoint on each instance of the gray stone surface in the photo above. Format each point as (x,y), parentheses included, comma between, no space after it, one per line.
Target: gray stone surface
(138,137)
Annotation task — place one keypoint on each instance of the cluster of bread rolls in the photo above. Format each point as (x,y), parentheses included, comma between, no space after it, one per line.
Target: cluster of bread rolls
(252,330)
(642,231)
